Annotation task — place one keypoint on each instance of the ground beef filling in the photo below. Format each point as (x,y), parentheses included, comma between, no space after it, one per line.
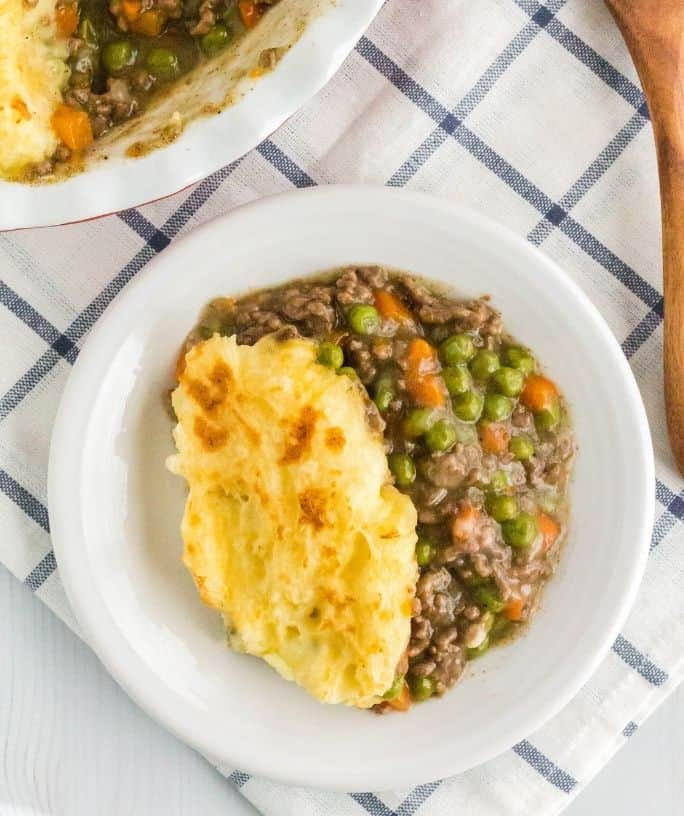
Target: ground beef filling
(474,433)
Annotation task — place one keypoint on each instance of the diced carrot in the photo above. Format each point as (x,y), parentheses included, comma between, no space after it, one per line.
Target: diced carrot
(422,381)
(390,307)
(422,357)
(66,19)
(131,9)
(250,12)
(403,701)
(539,394)
(549,529)
(428,391)
(494,436)
(149,23)
(72,127)
(514,609)
(463,525)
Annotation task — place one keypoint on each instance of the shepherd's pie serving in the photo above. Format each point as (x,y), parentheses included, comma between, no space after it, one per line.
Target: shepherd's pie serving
(378,480)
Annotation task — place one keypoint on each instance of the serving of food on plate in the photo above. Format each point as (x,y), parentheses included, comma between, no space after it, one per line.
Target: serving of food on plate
(370,480)
(377,480)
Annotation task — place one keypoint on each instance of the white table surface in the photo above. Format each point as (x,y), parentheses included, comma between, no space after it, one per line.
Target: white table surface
(73,744)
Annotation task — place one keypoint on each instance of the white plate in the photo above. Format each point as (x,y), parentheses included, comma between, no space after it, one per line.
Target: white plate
(208,143)
(115,511)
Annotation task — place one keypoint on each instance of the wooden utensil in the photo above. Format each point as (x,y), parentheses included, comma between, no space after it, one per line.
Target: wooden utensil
(654,33)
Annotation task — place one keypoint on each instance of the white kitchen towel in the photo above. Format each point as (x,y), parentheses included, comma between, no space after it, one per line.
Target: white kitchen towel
(531,113)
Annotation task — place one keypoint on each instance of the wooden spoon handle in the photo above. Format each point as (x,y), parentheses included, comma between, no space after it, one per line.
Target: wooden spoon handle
(654,33)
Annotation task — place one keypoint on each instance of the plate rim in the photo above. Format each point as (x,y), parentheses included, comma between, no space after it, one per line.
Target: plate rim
(66,425)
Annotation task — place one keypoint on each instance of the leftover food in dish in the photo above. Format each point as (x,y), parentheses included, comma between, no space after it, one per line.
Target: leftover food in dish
(71,70)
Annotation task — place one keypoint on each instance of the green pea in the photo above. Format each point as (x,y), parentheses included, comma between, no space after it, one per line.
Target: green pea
(419,421)
(425,551)
(502,508)
(384,392)
(330,355)
(457,380)
(499,481)
(118,56)
(422,688)
(519,358)
(348,371)
(478,651)
(441,436)
(549,418)
(163,63)
(521,531)
(363,319)
(403,468)
(468,406)
(459,348)
(489,597)
(395,689)
(521,447)
(215,39)
(497,407)
(484,364)
(508,381)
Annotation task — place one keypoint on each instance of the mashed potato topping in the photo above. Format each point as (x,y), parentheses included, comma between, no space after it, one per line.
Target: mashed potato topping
(292,527)
(32,73)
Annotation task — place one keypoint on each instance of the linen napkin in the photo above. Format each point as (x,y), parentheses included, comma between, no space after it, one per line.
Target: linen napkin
(530,112)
